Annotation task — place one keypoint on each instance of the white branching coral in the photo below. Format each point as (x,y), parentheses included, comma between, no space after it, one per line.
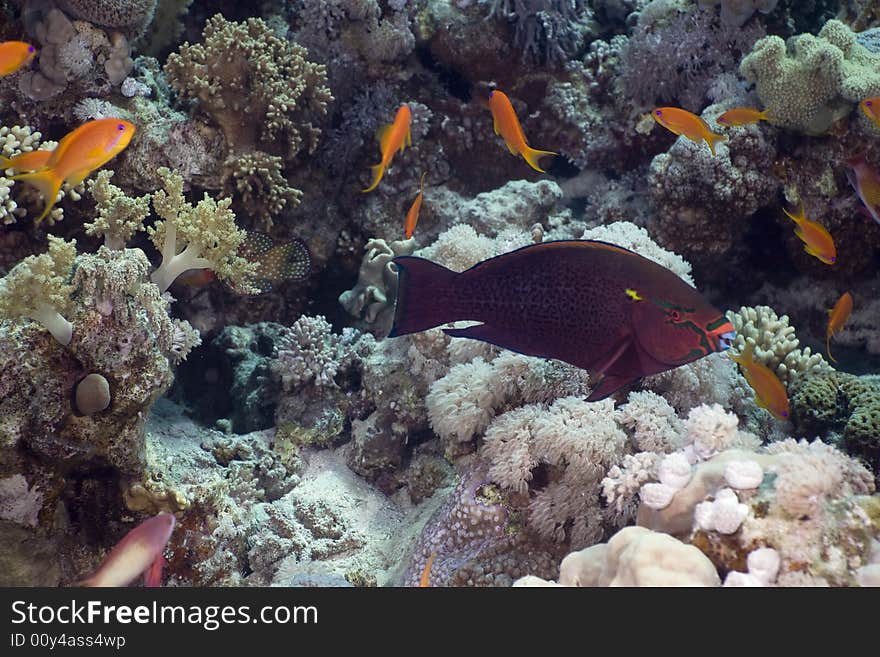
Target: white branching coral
(19,502)
(579,442)
(200,237)
(710,430)
(310,353)
(621,485)
(655,426)
(774,343)
(119,216)
(38,288)
(635,238)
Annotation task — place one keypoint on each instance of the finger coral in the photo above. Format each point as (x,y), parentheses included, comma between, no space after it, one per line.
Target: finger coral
(119,216)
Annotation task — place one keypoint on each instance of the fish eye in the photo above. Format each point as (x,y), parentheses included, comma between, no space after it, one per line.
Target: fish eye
(869,103)
(658,112)
(721,119)
(120,127)
(30,49)
(675,315)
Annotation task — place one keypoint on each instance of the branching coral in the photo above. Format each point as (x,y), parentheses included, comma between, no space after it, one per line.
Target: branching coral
(546,31)
(243,69)
(811,81)
(775,343)
(119,216)
(200,237)
(38,287)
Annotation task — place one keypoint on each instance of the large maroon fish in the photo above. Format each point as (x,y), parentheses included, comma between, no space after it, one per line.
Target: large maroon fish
(595,305)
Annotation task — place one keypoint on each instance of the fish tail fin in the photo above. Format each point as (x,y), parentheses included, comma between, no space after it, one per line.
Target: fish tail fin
(828,347)
(378,171)
(714,138)
(420,283)
(47,183)
(533,157)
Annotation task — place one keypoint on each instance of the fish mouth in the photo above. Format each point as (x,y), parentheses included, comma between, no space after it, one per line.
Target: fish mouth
(723,335)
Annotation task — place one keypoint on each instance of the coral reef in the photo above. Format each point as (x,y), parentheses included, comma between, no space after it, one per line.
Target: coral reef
(243,69)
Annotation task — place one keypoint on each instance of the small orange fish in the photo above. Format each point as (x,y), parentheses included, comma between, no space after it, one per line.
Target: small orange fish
(871,108)
(739,116)
(15,55)
(769,391)
(507,125)
(78,154)
(866,182)
(682,122)
(817,240)
(139,552)
(836,319)
(412,217)
(425,581)
(392,138)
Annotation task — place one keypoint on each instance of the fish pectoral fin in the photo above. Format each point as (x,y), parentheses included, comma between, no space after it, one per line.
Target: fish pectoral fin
(383,135)
(408,140)
(600,367)
(77,177)
(608,385)
(495,124)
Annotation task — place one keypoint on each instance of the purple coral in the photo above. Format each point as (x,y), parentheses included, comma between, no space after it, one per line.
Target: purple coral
(674,59)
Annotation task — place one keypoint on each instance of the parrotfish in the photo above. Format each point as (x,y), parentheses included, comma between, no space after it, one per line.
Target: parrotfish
(78,154)
(275,263)
(392,138)
(866,182)
(739,116)
(871,108)
(15,55)
(139,552)
(682,122)
(507,125)
(837,317)
(594,305)
(412,216)
(816,238)
(769,391)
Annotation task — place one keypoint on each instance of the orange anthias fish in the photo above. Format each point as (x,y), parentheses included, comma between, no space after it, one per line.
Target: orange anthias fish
(412,217)
(739,116)
(507,125)
(139,552)
(594,305)
(15,55)
(871,108)
(275,263)
(682,122)
(425,580)
(817,240)
(77,155)
(392,138)
(769,391)
(866,182)
(837,318)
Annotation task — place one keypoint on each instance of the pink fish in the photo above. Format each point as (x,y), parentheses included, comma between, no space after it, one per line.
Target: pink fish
(866,182)
(139,552)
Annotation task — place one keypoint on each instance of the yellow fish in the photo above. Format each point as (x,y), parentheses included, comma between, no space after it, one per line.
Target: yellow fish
(78,154)
(769,391)
(739,116)
(682,122)
(507,125)
(836,319)
(392,138)
(14,55)
(817,240)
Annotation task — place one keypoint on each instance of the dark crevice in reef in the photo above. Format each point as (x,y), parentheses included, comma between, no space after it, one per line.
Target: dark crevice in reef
(455,83)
